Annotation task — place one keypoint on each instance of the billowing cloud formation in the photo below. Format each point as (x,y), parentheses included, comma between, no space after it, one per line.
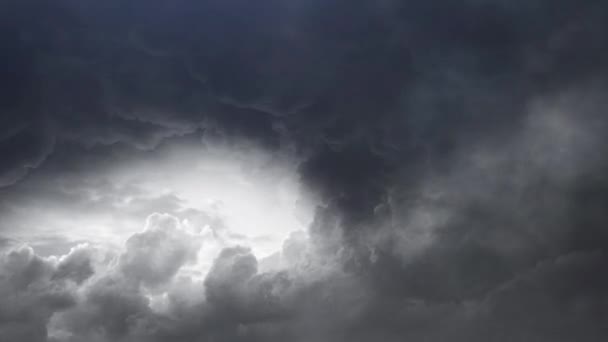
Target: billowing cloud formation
(242,304)
(455,152)
(81,296)
(155,255)
(32,289)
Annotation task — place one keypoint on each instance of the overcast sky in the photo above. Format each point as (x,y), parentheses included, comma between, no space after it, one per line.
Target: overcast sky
(303,170)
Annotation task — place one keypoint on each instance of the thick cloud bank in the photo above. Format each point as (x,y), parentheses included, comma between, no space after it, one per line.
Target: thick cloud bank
(454,153)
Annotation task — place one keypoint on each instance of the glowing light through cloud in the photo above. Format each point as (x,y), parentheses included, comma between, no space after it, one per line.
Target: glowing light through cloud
(226,196)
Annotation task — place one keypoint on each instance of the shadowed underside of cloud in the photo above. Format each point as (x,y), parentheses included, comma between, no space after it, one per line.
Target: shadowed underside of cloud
(455,149)
(82,297)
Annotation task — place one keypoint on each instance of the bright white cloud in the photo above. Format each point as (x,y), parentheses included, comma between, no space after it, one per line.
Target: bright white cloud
(237,195)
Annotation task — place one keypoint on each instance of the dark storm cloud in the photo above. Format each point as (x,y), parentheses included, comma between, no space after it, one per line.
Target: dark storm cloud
(561,299)
(457,149)
(23,150)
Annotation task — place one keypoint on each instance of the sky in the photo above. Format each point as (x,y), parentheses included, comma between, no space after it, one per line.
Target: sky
(303,170)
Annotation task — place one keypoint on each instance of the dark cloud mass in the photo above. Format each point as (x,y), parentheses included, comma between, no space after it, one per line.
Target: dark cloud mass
(455,153)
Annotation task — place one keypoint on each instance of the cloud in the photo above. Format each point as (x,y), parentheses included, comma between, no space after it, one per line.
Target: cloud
(77,265)
(455,154)
(22,151)
(32,289)
(84,295)
(63,300)
(561,299)
(155,255)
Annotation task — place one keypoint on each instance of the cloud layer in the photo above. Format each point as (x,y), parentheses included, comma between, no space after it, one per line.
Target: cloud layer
(453,154)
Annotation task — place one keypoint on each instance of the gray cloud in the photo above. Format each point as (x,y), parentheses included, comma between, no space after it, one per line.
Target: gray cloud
(455,151)
(32,289)
(76,266)
(155,255)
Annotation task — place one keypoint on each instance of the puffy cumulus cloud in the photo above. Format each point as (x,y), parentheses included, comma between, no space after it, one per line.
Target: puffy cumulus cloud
(115,305)
(238,296)
(32,289)
(111,308)
(88,293)
(141,293)
(155,255)
(231,270)
(119,302)
(77,265)
(311,296)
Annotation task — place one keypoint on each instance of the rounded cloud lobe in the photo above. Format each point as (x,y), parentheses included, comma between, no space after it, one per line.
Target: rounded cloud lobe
(155,255)
(32,289)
